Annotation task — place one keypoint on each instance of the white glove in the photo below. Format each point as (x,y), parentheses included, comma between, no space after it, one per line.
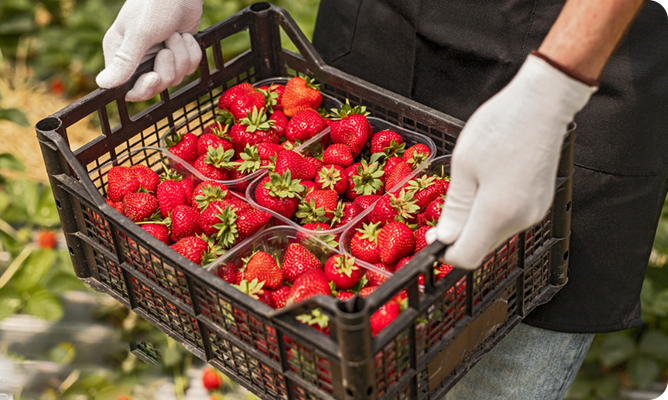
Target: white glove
(504,165)
(144,28)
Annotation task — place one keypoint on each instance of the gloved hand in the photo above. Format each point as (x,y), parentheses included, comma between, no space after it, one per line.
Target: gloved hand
(147,27)
(504,165)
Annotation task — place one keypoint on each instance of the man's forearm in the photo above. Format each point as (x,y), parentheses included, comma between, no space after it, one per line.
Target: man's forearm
(587,32)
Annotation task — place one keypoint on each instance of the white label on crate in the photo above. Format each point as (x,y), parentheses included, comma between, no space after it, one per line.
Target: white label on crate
(664,3)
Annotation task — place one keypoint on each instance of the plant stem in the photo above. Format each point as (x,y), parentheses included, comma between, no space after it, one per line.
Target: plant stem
(15,265)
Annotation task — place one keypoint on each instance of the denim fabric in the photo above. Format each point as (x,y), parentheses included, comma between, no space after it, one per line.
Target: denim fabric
(528,364)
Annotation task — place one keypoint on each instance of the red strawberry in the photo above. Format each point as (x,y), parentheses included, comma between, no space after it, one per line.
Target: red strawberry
(342,271)
(279,193)
(263,267)
(253,129)
(280,123)
(192,248)
(317,206)
(273,95)
(425,190)
(345,213)
(364,179)
(338,154)
(257,290)
(184,222)
(219,220)
(433,211)
(332,177)
(170,194)
(159,231)
(416,155)
(297,260)
(343,295)
(300,168)
(206,192)
(211,379)
(388,142)
(390,164)
(351,128)
(395,241)
(183,146)
(121,182)
(420,240)
(301,93)
(241,99)
(364,243)
(251,221)
(400,207)
(228,273)
(139,206)
(117,206)
(376,279)
(308,186)
(366,201)
(215,163)
(311,283)
(147,178)
(400,172)
(441,271)
(366,291)
(316,163)
(188,184)
(280,295)
(384,316)
(214,136)
(315,319)
(304,125)
(445,182)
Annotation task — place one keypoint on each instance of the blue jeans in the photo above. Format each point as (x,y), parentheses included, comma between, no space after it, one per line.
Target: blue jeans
(528,364)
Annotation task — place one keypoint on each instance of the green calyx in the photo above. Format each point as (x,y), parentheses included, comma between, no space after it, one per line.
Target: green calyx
(417,158)
(257,121)
(209,194)
(220,130)
(270,98)
(329,177)
(348,110)
(308,212)
(227,228)
(310,82)
(404,204)
(316,317)
(367,180)
(174,139)
(220,158)
(369,232)
(251,159)
(226,119)
(339,213)
(395,149)
(213,251)
(252,288)
(169,175)
(421,183)
(283,186)
(346,265)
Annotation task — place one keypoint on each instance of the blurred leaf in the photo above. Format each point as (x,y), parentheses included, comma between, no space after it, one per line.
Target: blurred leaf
(608,387)
(43,304)
(46,214)
(172,356)
(643,372)
(661,238)
(654,343)
(580,389)
(616,348)
(9,302)
(62,353)
(63,282)
(34,268)
(14,115)
(24,195)
(660,303)
(11,162)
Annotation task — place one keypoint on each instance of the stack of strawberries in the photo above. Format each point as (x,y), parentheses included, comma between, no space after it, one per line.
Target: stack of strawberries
(198,219)
(336,182)
(253,127)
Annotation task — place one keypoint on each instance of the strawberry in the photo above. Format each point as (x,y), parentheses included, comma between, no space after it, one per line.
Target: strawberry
(185,222)
(316,163)
(280,123)
(317,206)
(367,201)
(332,177)
(256,289)
(279,296)
(241,99)
(253,129)
(425,190)
(345,213)
(384,316)
(211,379)
(170,194)
(289,160)
(206,192)
(343,295)
(308,186)
(121,182)
(440,272)
(390,163)
(395,241)
(215,163)
(192,248)
(263,267)
(117,206)
(279,193)
(159,231)
(251,221)
(433,211)
(297,260)
(376,279)
(218,220)
(310,284)
(342,271)
(214,136)
(400,207)
(351,127)
(228,273)
(315,319)
(183,146)
(445,182)
(301,93)
(420,240)
(416,155)
(273,95)
(365,179)
(147,178)
(388,142)
(400,172)
(364,243)
(366,291)
(338,154)
(139,206)
(304,125)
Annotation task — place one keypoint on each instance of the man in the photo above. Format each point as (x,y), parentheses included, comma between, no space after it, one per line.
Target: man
(471,59)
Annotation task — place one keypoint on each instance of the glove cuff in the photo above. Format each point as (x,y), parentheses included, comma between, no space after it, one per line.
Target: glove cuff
(567,71)
(192,4)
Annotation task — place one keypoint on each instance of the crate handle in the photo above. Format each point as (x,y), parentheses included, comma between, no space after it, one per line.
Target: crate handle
(297,37)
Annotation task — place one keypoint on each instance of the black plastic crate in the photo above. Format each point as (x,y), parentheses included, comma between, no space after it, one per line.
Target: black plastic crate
(448,325)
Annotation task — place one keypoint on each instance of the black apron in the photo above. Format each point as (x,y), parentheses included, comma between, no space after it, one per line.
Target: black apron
(453,55)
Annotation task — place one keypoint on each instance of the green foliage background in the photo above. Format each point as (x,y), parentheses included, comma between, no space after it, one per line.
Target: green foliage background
(61,41)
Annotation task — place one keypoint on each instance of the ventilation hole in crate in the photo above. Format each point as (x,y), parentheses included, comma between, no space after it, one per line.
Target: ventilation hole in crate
(71,251)
(288,44)
(236,44)
(140,108)
(290,71)
(83,132)
(568,206)
(566,256)
(58,205)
